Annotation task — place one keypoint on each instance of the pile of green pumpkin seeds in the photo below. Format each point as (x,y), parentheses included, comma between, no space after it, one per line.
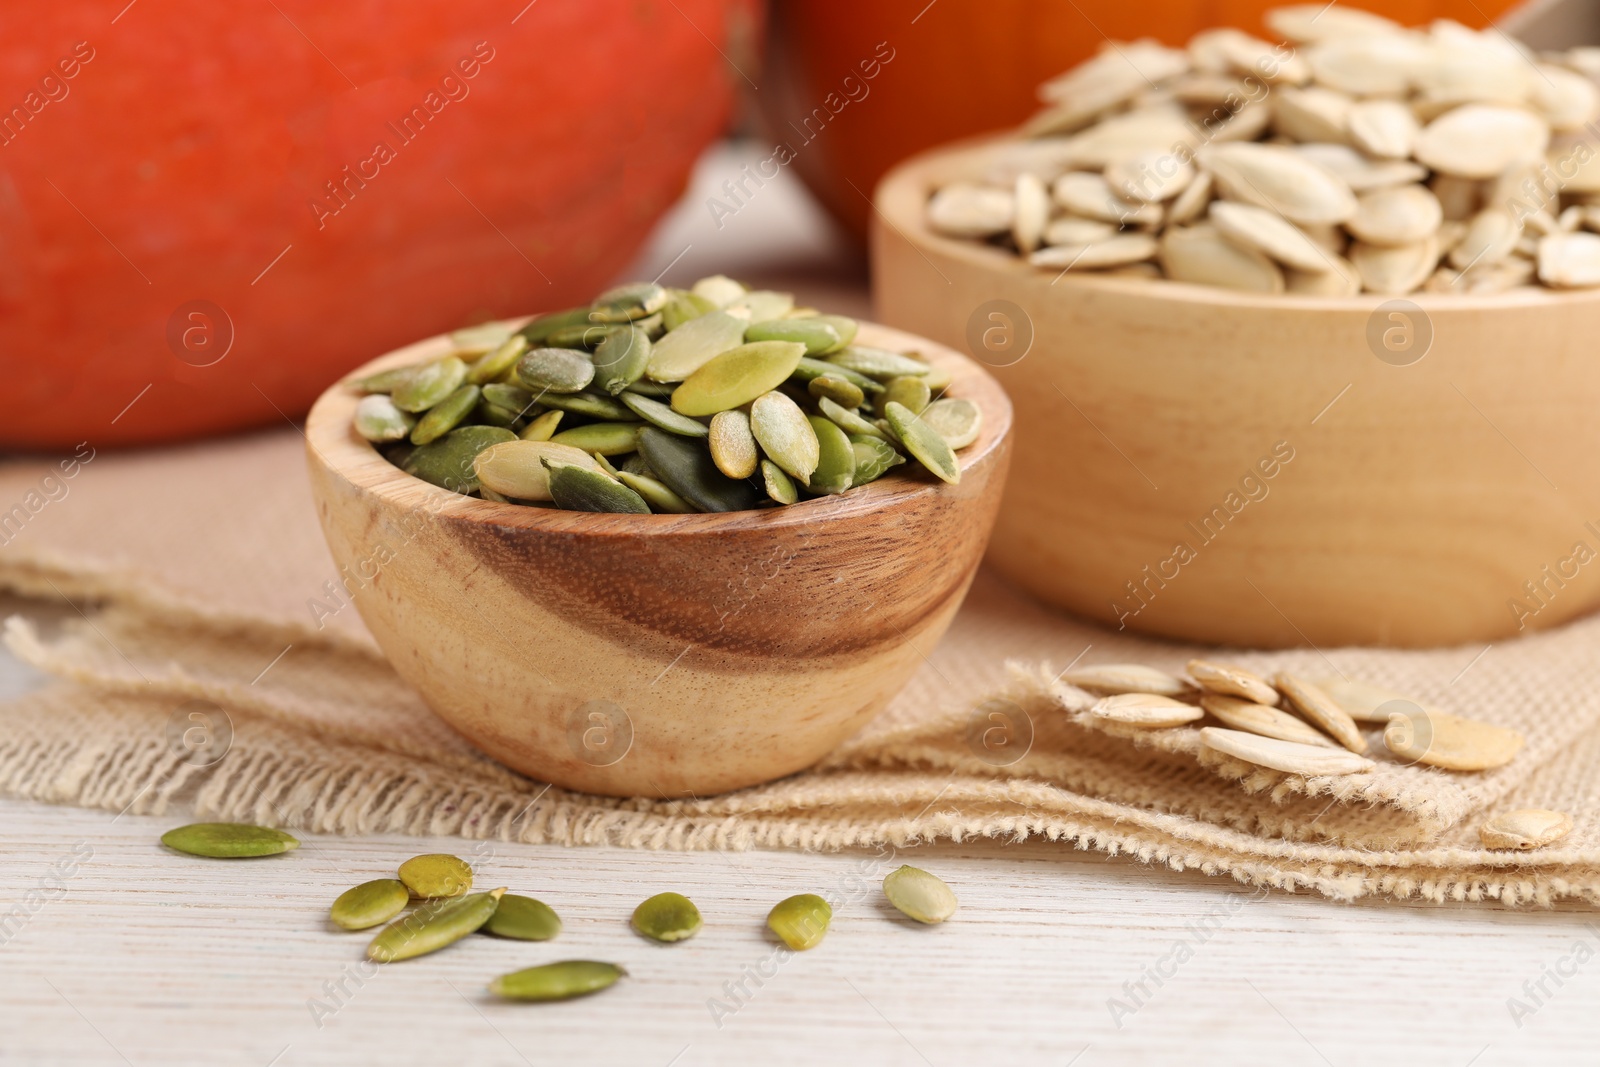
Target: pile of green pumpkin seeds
(447,911)
(651,399)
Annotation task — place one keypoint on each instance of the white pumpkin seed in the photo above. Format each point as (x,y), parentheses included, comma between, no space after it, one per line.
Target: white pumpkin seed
(1395,269)
(1257,228)
(1149,710)
(1112,252)
(1439,739)
(1149,176)
(1307,23)
(1257,718)
(1525,828)
(1342,279)
(1377,65)
(1312,114)
(1490,237)
(964,210)
(1117,678)
(1229,680)
(1090,196)
(1200,254)
(1309,761)
(1071,230)
(1191,203)
(1481,140)
(1278,178)
(1321,710)
(1570,260)
(1031,212)
(1399,215)
(1383,128)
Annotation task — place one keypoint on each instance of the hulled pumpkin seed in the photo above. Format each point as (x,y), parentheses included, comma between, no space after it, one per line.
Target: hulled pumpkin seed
(377,419)
(919,895)
(733,446)
(575,488)
(874,458)
(543,427)
(436,874)
(540,330)
(762,305)
(605,464)
(842,325)
(448,462)
(661,499)
(491,365)
(386,381)
(516,469)
(445,415)
(800,921)
(832,387)
(817,336)
(785,435)
(957,420)
(433,926)
(620,359)
(523,919)
(514,397)
(429,384)
(607,438)
(876,362)
(229,840)
(737,377)
(688,470)
(589,405)
(720,289)
(923,442)
(810,369)
(653,390)
(849,421)
(554,370)
(370,904)
(667,917)
(682,306)
(694,344)
(780,487)
(557,981)
(911,392)
(488,414)
(836,458)
(658,414)
(586,336)
(628,302)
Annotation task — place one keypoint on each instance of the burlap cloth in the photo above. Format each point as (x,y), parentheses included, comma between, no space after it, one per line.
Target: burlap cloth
(191,573)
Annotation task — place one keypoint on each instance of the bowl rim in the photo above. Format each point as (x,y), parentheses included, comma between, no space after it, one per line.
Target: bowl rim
(333,444)
(904,190)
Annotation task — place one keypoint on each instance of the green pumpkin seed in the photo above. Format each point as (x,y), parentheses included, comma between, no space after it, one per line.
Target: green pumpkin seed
(658,414)
(539,331)
(377,419)
(737,377)
(682,306)
(685,466)
(958,421)
(589,405)
(913,393)
(811,369)
(430,384)
(720,289)
(557,981)
(554,370)
(785,435)
(437,874)
(634,463)
(491,365)
(693,345)
(653,390)
(385,381)
(476,340)
(576,488)
(652,325)
(733,446)
(667,917)
(370,904)
(433,926)
(605,464)
(490,494)
(523,919)
(849,421)
(832,387)
(488,414)
(661,499)
(836,463)
(587,336)
(801,921)
(938,379)
(228,840)
(877,362)
(923,442)
(445,415)
(780,487)
(761,305)
(543,427)
(607,438)
(399,454)
(620,359)
(874,458)
(447,462)
(842,325)
(919,895)
(514,397)
(817,336)
(516,468)
(628,302)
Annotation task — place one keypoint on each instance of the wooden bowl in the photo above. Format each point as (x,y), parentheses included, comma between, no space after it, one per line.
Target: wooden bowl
(659,655)
(1271,470)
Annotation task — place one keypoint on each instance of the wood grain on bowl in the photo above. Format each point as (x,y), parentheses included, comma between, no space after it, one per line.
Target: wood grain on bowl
(1271,470)
(662,655)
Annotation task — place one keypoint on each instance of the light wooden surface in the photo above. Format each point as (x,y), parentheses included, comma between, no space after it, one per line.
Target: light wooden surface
(1183,447)
(146,958)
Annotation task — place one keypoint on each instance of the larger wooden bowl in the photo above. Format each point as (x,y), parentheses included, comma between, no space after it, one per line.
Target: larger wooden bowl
(659,655)
(1431,500)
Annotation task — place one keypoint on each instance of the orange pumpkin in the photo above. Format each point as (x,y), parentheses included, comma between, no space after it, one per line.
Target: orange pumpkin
(958,68)
(208,211)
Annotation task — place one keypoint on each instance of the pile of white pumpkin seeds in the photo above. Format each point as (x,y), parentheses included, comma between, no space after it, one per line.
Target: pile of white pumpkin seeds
(708,399)
(1360,156)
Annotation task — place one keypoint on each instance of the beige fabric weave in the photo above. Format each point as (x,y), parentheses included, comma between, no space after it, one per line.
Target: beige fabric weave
(191,573)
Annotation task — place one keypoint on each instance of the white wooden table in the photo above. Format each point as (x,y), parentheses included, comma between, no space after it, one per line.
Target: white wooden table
(128,954)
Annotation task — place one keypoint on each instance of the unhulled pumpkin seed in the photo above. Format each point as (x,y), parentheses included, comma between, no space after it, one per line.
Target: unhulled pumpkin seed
(733,446)
(557,981)
(370,904)
(575,488)
(435,925)
(919,895)
(688,470)
(607,438)
(1431,736)
(800,921)
(516,469)
(429,384)
(780,487)
(445,415)
(836,457)
(1525,828)
(1290,757)
(620,359)
(1125,678)
(523,919)
(448,462)
(1232,681)
(229,840)
(667,917)
(785,435)
(377,419)
(923,442)
(737,377)
(1320,709)
(658,414)
(1256,718)
(436,874)
(554,370)
(1149,710)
